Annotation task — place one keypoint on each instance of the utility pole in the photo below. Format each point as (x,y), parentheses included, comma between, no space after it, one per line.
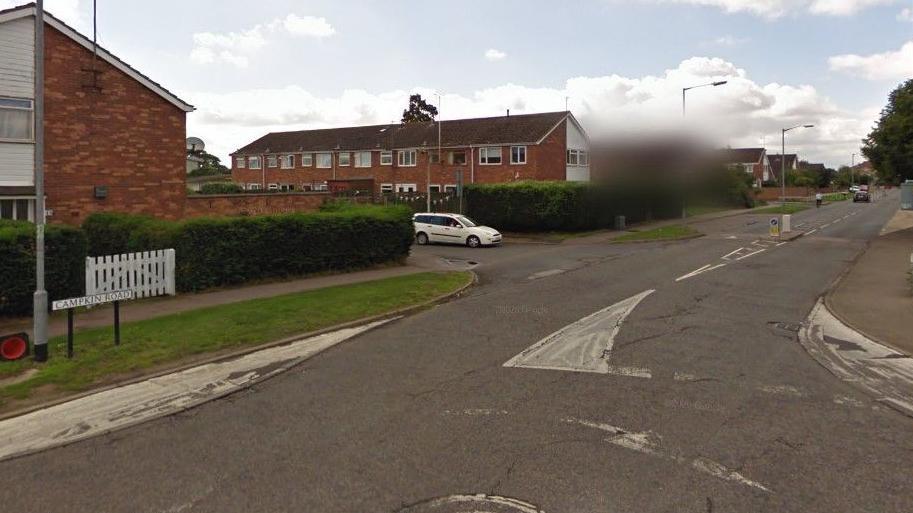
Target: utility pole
(40,303)
(852,173)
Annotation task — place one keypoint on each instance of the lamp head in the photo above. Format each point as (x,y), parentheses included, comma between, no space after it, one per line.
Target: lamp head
(721,82)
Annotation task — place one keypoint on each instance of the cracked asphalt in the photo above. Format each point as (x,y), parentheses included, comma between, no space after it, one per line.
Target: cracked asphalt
(735,416)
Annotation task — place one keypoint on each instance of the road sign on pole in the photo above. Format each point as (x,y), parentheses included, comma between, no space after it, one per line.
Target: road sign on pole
(774,227)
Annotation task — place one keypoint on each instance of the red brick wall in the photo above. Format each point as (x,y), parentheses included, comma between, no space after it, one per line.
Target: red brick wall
(253,204)
(545,161)
(124,136)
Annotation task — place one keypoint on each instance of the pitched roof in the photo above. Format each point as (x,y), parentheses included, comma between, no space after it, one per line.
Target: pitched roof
(775,160)
(523,128)
(741,155)
(24,10)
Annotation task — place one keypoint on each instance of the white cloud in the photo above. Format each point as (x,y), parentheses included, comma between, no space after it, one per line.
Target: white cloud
(777,8)
(727,40)
(495,55)
(236,48)
(739,113)
(891,65)
(905,14)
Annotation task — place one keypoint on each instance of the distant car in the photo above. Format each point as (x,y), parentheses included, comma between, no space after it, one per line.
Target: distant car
(453,229)
(854,188)
(861,196)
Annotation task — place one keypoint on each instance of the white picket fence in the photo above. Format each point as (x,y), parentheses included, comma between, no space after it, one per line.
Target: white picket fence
(147,274)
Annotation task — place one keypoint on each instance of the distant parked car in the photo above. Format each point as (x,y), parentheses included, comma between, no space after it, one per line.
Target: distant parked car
(854,188)
(861,196)
(453,229)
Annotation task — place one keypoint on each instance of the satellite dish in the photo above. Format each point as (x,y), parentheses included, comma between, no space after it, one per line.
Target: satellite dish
(195,144)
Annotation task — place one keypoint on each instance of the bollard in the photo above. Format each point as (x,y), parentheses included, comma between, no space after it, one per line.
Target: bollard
(784,224)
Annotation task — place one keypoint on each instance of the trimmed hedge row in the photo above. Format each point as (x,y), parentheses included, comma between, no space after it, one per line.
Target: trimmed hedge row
(213,252)
(568,206)
(65,260)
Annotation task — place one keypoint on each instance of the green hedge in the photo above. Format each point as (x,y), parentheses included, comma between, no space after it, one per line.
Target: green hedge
(568,206)
(212,252)
(65,260)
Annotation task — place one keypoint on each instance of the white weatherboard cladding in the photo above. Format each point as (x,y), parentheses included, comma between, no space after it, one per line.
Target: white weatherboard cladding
(17,67)
(576,140)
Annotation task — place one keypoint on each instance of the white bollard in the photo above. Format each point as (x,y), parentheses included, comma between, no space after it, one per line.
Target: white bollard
(784,224)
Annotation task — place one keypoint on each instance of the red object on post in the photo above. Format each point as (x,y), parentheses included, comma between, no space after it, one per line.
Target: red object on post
(14,347)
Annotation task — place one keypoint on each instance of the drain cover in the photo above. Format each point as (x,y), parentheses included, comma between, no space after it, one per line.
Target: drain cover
(472,504)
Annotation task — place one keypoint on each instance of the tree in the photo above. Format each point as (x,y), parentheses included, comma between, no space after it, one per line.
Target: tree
(211,165)
(419,110)
(889,146)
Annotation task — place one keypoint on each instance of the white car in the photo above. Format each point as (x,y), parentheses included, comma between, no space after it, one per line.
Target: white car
(452,229)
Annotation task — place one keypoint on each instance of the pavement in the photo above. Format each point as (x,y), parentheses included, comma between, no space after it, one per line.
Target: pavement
(656,377)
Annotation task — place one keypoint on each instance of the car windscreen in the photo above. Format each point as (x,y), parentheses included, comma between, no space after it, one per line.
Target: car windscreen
(468,223)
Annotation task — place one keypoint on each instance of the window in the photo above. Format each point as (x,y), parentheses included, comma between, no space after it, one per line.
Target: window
(450,188)
(345,158)
(572,156)
(253,162)
(286,187)
(406,158)
(324,160)
(584,158)
(434,188)
(253,187)
(749,168)
(518,154)
(490,155)
(386,187)
(386,158)
(307,159)
(363,159)
(272,161)
(288,161)
(241,162)
(18,209)
(320,186)
(16,119)
(273,187)
(458,158)
(435,157)
(406,187)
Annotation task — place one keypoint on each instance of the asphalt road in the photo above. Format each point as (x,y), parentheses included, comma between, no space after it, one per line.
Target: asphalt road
(734,415)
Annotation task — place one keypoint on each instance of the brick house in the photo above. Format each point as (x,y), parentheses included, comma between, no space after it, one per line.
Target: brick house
(546,146)
(753,161)
(777,161)
(114,139)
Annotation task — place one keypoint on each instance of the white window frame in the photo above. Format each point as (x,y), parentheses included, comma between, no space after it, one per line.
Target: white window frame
(407,158)
(320,186)
(486,154)
(272,187)
(518,162)
(30,207)
(583,158)
(307,159)
(272,161)
(251,161)
(450,187)
(386,187)
(325,155)
(287,162)
(406,187)
(360,158)
(575,161)
(254,187)
(386,158)
(452,158)
(348,161)
(241,162)
(286,187)
(30,109)
(434,187)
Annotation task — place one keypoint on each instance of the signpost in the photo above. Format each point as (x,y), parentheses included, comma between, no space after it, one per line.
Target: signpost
(774,227)
(95,299)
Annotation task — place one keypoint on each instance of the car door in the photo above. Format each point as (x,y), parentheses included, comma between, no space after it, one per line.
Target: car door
(436,230)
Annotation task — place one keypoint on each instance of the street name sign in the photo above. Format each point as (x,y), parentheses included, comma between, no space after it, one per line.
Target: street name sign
(94,299)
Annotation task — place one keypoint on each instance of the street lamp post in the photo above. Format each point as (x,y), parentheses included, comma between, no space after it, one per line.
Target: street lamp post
(684,90)
(852,165)
(783,162)
(40,299)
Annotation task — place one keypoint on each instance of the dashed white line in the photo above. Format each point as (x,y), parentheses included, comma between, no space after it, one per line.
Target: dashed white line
(704,269)
(825,225)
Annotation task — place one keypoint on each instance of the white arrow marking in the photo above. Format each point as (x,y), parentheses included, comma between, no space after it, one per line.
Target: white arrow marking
(585,345)
(704,269)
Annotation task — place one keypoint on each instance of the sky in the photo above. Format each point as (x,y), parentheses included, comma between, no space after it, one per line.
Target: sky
(619,65)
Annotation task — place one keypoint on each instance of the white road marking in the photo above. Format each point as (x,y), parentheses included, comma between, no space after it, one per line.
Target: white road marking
(478,502)
(727,255)
(631,372)
(731,237)
(825,225)
(647,442)
(811,231)
(835,221)
(702,270)
(751,254)
(583,346)
(132,404)
(545,274)
(475,412)
(782,390)
(684,376)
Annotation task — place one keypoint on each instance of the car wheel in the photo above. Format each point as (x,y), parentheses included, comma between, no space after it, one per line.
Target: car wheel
(473,242)
(421,238)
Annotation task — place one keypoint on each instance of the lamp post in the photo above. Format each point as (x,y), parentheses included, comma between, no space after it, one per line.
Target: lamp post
(783,162)
(685,90)
(852,165)
(40,298)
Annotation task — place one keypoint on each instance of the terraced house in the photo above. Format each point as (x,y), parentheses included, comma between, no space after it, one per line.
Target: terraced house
(400,157)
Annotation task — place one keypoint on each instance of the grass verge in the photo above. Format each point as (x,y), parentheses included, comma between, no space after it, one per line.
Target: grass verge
(791,208)
(836,196)
(156,343)
(672,232)
(697,210)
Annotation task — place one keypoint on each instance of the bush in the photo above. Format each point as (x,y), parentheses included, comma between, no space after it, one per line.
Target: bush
(568,206)
(214,252)
(221,188)
(65,260)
